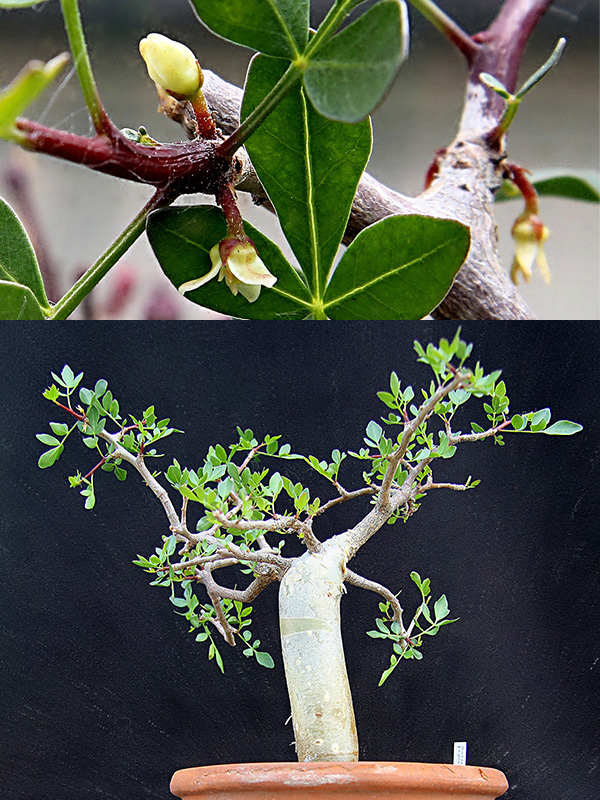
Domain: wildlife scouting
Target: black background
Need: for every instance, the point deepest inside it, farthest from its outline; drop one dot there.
(103, 693)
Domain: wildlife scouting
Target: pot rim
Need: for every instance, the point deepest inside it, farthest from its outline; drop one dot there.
(403, 775)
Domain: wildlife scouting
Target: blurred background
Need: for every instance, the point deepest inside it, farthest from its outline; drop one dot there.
(73, 215)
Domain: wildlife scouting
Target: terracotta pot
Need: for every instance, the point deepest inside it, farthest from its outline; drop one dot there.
(338, 780)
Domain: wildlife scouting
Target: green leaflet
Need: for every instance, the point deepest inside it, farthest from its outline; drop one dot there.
(563, 427)
(349, 76)
(310, 170)
(398, 268)
(23, 90)
(18, 263)
(574, 184)
(182, 238)
(19, 3)
(18, 302)
(275, 27)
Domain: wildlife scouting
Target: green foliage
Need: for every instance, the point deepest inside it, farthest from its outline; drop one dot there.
(276, 27)
(306, 104)
(407, 644)
(345, 75)
(398, 268)
(236, 501)
(22, 294)
(25, 88)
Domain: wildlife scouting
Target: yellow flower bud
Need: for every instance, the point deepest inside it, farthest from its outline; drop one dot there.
(240, 265)
(171, 65)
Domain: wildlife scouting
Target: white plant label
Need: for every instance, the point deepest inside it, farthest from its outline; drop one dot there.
(460, 753)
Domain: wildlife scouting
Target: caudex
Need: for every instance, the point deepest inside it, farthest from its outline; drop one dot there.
(237, 510)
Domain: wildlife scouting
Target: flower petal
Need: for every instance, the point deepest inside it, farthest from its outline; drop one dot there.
(245, 264)
(250, 292)
(189, 286)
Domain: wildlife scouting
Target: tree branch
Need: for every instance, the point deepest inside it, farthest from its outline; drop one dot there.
(426, 409)
(372, 586)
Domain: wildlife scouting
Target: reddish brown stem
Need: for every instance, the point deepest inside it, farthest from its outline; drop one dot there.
(502, 46)
(94, 469)
(80, 417)
(518, 176)
(227, 200)
(182, 168)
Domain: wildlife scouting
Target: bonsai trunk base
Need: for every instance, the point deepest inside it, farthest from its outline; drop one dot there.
(339, 780)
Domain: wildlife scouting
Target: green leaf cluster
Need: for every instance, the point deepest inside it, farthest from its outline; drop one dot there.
(310, 158)
(407, 644)
(95, 409)
(238, 503)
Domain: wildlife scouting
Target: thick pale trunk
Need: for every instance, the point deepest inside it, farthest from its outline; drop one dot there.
(313, 655)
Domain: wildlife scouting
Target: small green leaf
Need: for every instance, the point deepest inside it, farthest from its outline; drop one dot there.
(518, 422)
(563, 427)
(265, 660)
(540, 420)
(46, 438)
(386, 674)
(48, 458)
(493, 83)
(349, 76)
(182, 238)
(440, 609)
(24, 89)
(398, 268)
(18, 263)
(276, 27)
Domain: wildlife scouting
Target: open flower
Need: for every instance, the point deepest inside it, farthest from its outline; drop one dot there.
(530, 234)
(171, 65)
(238, 262)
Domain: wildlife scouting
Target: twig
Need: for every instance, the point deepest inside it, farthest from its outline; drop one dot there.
(372, 586)
(345, 495)
(426, 409)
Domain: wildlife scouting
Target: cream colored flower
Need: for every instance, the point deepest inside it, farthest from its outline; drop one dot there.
(240, 265)
(171, 65)
(530, 234)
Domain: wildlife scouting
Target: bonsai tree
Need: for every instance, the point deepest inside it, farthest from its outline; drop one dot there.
(301, 149)
(239, 508)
